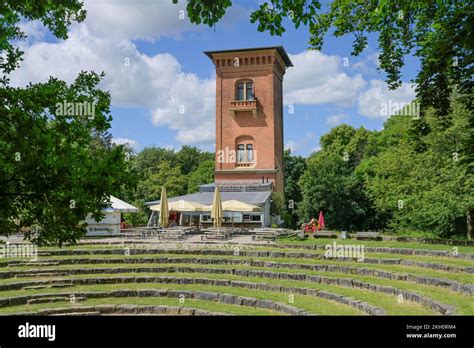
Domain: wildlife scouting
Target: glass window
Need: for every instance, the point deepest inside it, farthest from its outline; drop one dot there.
(251, 217)
(240, 153)
(249, 152)
(249, 91)
(256, 217)
(245, 91)
(240, 91)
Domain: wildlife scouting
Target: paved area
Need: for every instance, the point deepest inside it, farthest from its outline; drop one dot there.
(191, 240)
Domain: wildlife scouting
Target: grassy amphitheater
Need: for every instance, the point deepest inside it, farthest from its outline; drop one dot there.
(286, 277)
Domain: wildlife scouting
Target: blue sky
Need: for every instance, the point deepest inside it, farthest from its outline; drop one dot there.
(154, 63)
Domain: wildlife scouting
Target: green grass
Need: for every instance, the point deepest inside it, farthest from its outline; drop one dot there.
(308, 303)
(388, 302)
(466, 278)
(198, 304)
(464, 304)
(375, 244)
(440, 259)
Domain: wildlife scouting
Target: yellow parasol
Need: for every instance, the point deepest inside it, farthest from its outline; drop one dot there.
(216, 213)
(164, 212)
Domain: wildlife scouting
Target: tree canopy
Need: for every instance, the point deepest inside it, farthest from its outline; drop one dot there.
(438, 32)
(57, 162)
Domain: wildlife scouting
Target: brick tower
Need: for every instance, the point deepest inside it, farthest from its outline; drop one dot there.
(249, 115)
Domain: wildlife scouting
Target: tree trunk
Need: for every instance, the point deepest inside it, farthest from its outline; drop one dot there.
(469, 224)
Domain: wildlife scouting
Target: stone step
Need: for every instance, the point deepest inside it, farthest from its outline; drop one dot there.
(47, 300)
(48, 274)
(36, 264)
(61, 285)
(36, 287)
(54, 299)
(78, 313)
(215, 238)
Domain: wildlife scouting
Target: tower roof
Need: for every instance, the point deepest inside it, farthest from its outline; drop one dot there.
(281, 51)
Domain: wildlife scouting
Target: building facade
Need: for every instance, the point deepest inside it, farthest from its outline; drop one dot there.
(249, 136)
(249, 115)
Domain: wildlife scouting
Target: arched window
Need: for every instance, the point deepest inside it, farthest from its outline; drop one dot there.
(249, 152)
(240, 153)
(245, 90)
(240, 91)
(249, 91)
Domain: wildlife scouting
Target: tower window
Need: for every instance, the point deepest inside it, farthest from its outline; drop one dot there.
(245, 153)
(249, 152)
(249, 91)
(245, 91)
(240, 153)
(240, 91)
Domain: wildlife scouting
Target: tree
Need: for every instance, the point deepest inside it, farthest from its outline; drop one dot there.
(147, 161)
(54, 15)
(204, 174)
(295, 166)
(439, 33)
(155, 167)
(430, 191)
(331, 184)
(149, 189)
(277, 206)
(57, 163)
(189, 158)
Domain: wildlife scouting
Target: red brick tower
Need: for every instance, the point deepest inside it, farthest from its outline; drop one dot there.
(249, 115)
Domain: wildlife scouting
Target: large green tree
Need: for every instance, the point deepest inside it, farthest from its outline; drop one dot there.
(190, 158)
(204, 174)
(295, 166)
(154, 167)
(57, 163)
(430, 191)
(331, 184)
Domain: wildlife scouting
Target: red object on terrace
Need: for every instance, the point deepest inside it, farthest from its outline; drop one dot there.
(321, 221)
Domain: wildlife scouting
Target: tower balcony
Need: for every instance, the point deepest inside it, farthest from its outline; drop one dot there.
(243, 105)
(250, 164)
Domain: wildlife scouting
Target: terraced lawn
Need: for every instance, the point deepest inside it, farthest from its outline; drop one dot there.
(288, 278)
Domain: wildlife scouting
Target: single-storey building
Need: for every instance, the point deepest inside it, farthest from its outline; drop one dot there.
(110, 224)
(255, 194)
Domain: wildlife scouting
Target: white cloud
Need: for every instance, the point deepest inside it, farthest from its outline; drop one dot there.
(318, 79)
(104, 42)
(122, 141)
(179, 100)
(138, 19)
(146, 19)
(372, 101)
(292, 146)
(367, 65)
(337, 119)
(34, 30)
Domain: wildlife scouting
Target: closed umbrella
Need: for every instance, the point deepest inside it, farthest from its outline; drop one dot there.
(164, 212)
(321, 221)
(216, 213)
